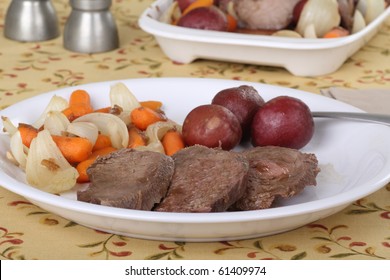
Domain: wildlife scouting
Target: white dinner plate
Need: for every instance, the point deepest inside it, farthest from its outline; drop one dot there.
(353, 157)
(301, 57)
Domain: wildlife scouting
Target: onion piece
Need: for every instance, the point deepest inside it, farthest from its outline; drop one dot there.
(56, 122)
(323, 14)
(371, 9)
(84, 130)
(120, 95)
(8, 126)
(172, 14)
(358, 22)
(287, 33)
(46, 168)
(310, 32)
(56, 103)
(110, 125)
(18, 150)
(155, 132)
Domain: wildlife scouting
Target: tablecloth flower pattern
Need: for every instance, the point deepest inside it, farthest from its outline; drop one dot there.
(361, 231)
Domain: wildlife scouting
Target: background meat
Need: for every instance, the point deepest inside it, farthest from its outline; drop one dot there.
(205, 180)
(276, 171)
(129, 179)
(265, 14)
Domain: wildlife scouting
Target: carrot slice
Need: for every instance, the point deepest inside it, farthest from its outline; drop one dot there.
(84, 165)
(232, 23)
(336, 32)
(102, 141)
(152, 104)
(142, 117)
(28, 133)
(197, 4)
(80, 103)
(136, 138)
(74, 149)
(172, 142)
(103, 110)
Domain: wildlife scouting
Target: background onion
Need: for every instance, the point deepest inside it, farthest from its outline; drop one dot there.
(323, 14)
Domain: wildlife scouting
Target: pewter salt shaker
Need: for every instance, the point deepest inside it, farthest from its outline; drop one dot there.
(90, 27)
(31, 20)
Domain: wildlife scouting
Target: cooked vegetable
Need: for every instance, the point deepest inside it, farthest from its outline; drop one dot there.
(56, 103)
(197, 4)
(86, 130)
(8, 126)
(74, 149)
(18, 150)
(152, 104)
(102, 141)
(46, 167)
(206, 18)
(120, 95)
(265, 14)
(336, 32)
(56, 122)
(136, 138)
(172, 142)
(371, 9)
(155, 132)
(142, 117)
(323, 14)
(358, 22)
(80, 103)
(110, 125)
(243, 101)
(212, 126)
(283, 121)
(28, 133)
(83, 166)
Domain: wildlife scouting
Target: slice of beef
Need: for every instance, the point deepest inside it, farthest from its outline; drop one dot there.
(129, 179)
(205, 180)
(276, 172)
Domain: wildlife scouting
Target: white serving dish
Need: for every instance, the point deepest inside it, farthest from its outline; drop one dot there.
(354, 158)
(301, 57)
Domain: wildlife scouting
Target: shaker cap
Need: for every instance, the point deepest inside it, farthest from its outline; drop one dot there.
(90, 5)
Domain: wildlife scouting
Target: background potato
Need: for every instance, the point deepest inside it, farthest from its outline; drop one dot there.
(206, 18)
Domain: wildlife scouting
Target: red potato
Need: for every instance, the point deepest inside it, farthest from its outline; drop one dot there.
(297, 10)
(211, 126)
(283, 121)
(206, 18)
(183, 4)
(243, 101)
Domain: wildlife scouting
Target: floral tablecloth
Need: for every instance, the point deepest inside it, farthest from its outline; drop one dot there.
(361, 231)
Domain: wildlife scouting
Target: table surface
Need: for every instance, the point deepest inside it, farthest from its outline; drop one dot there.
(361, 231)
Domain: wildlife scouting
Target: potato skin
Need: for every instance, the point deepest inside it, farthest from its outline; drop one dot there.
(212, 126)
(243, 101)
(205, 18)
(283, 121)
(183, 4)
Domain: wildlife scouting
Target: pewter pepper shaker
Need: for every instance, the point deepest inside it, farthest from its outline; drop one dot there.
(90, 27)
(31, 20)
